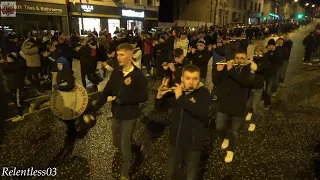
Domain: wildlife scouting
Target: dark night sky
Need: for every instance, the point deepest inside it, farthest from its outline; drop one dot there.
(166, 11)
(317, 2)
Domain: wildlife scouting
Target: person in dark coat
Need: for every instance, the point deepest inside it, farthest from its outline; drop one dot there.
(288, 46)
(3, 103)
(66, 82)
(15, 81)
(161, 51)
(173, 70)
(233, 83)
(275, 63)
(200, 58)
(127, 88)
(256, 89)
(190, 110)
(309, 44)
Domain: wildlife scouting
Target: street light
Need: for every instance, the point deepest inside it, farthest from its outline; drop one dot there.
(313, 5)
(296, 0)
(307, 4)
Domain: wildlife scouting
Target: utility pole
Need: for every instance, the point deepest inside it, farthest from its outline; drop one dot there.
(215, 12)
(211, 10)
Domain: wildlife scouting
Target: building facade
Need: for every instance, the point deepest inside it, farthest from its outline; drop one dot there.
(129, 14)
(38, 15)
(222, 12)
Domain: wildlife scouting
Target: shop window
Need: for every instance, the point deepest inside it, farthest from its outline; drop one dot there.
(150, 2)
(89, 24)
(137, 1)
(234, 17)
(251, 6)
(259, 8)
(240, 4)
(113, 24)
(255, 7)
(245, 5)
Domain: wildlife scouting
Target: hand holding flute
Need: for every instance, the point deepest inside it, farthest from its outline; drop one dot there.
(163, 89)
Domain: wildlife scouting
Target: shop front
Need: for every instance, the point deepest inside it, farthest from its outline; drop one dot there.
(37, 16)
(106, 17)
(255, 18)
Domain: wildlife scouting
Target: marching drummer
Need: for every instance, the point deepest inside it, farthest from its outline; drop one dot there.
(66, 82)
(128, 87)
(190, 110)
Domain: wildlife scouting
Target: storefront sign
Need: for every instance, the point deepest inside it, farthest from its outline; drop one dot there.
(131, 13)
(87, 8)
(8, 9)
(40, 8)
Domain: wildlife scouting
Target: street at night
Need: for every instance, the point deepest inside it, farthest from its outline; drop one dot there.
(282, 147)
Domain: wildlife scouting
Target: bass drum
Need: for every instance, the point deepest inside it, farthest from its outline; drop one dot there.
(69, 105)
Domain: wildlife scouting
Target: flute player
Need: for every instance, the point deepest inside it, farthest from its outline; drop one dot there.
(233, 83)
(190, 110)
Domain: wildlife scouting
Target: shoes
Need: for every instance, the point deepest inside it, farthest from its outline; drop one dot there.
(249, 116)
(252, 127)
(229, 157)
(225, 144)
(18, 118)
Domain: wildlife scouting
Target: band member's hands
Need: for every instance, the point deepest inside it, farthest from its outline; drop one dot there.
(77, 48)
(253, 66)
(164, 84)
(220, 67)
(171, 67)
(214, 46)
(193, 50)
(178, 90)
(209, 47)
(46, 54)
(230, 64)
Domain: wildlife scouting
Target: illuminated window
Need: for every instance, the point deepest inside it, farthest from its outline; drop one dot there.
(137, 1)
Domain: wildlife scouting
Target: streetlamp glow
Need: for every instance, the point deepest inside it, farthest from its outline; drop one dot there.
(307, 4)
(313, 5)
(296, 0)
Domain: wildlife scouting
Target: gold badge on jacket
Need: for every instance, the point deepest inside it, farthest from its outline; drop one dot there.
(192, 99)
(127, 81)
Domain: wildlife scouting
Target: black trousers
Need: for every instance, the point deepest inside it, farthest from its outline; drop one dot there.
(71, 128)
(147, 58)
(33, 76)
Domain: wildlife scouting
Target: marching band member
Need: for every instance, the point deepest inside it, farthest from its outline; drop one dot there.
(128, 87)
(233, 84)
(244, 42)
(190, 110)
(66, 82)
(256, 88)
(174, 69)
(200, 58)
(271, 74)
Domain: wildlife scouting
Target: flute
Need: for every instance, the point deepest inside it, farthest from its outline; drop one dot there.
(222, 63)
(172, 89)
